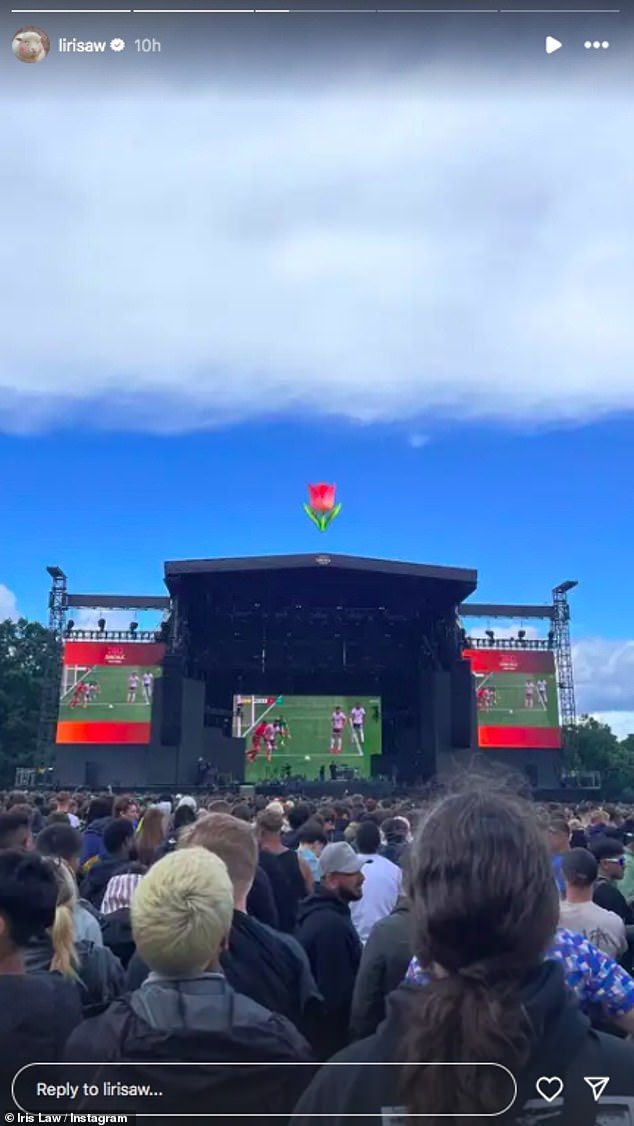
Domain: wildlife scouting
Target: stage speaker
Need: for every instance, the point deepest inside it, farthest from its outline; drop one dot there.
(91, 775)
(463, 709)
(172, 701)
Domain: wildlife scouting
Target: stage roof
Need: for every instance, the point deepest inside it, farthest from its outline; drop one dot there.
(462, 582)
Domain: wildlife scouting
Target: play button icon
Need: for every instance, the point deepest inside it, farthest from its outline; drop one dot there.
(552, 45)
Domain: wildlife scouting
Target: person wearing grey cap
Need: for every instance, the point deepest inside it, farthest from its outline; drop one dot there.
(326, 931)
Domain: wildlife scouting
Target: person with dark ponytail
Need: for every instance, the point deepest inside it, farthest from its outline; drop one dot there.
(484, 911)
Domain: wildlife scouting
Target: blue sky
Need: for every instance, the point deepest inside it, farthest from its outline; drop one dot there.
(389, 277)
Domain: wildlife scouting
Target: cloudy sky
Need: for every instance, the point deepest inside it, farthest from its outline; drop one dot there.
(415, 280)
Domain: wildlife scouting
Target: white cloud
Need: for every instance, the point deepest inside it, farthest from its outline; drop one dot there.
(621, 723)
(8, 603)
(604, 676)
(372, 254)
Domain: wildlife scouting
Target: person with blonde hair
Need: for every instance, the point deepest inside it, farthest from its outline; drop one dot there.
(94, 969)
(186, 1012)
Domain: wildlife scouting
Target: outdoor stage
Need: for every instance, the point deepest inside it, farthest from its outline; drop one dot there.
(282, 642)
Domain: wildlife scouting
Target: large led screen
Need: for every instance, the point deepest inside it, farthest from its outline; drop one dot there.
(517, 698)
(107, 690)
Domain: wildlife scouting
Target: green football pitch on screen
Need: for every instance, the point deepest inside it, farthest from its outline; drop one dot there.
(303, 734)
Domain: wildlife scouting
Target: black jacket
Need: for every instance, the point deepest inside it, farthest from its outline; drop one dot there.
(287, 883)
(38, 1012)
(94, 884)
(607, 895)
(386, 956)
(564, 1045)
(268, 967)
(101, 976)
(199, 1021)
(116, 931)
(326, 932)
(260, 902)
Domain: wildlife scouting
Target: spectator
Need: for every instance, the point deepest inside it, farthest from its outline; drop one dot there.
(99, 815)
(609, 855)
(312, 842)
(342, 820)
(383, 881)
(63, 804)
(626, 886)
(484, 911)
(384, 963)
(183, 817)
(164, 803)
(260, 963)
(116, 925)
(326, 931)
(578, 913)
(327, 816)
(118, 841)
(96, 973)
(297, 816)
(37, 1012)
(150, 836)
(396, 831)
(558, 838)
(186, 1012)
(127, 807)
(64, 843)
(15, 828)
(290, 877)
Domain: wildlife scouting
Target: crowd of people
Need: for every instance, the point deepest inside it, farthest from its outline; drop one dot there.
(314, 959)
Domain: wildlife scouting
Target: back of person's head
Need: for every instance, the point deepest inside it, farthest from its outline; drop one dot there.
(312, 832)
(15, 828)
(62, 841)
(184, 815)
(28, 897)
(182, 912)
(242, 811)
(298, 814)
(218, 805)
(151, 834)
(270, 822)
(16, 797)
(117, 835)
(580, 868)
(484, 909)
(125, 806)
(62, 801)
(99, 808)
(368, 839)
(65, 960)
(230, 839)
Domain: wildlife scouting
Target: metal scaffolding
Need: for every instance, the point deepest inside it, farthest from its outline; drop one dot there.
(57, 613)
(563, 657)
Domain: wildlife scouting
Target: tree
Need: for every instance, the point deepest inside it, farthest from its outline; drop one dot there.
(26, 650)
(592, 745)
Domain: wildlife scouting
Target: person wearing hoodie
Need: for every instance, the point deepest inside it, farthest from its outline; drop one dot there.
(116, 922)
(98, 817)
(327, 933)
(484, 913)
(37, 1011)
(187, 1013)
(95, 972)
(119, 840)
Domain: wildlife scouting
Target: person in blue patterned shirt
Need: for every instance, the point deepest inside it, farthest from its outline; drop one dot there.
(603, 988)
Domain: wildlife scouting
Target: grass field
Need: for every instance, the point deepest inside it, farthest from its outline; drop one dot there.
(111, 703)
(510, 707)
(309, 735)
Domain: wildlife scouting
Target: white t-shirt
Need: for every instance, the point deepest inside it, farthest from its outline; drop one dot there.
(381, 888)
(338, 721)
(604, 929)
(133, 681)
(357, 715)
(147, 679)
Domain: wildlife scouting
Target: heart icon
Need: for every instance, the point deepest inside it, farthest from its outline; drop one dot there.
(549, 1087)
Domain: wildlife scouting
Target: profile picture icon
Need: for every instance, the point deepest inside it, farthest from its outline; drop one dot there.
(30, 45)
